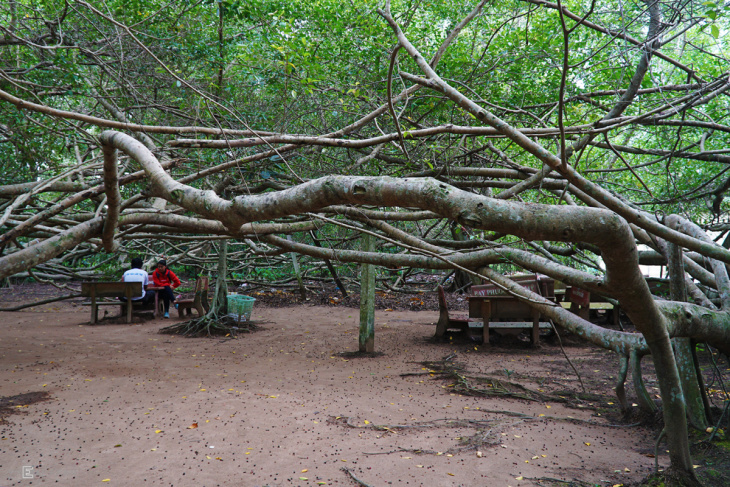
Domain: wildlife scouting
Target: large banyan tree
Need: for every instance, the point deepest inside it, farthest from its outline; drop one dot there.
(559, 138)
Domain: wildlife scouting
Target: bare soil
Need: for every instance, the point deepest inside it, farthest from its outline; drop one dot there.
(293, 403)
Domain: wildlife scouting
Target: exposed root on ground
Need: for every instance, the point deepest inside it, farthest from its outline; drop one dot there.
(488, 386)
(210, 325)
(352, 476)
(487, 434)
(551, 482)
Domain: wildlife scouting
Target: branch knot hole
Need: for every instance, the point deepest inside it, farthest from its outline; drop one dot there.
(359, 189)
(469, 219)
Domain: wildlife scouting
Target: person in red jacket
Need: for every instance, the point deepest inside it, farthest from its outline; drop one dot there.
(165, 278)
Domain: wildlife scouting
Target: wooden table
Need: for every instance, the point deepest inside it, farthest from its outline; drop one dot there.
(108, 293)
(588, 306)
(505, 311)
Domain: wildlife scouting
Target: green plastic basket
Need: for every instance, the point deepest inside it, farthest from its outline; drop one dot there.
(239, 307)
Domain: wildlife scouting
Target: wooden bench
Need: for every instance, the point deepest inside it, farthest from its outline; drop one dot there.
(447, 322)
(199, 301)
(108, 294)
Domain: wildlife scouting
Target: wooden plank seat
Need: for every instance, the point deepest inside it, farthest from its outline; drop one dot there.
(508, 327)
(108, 294)
(199, 301)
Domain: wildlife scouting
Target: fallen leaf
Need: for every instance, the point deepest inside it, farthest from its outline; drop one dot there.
(303, 478)
(519, 478)
(158, 431)
(117, 446)
(193, 426)
(305, 470)
(586, 443)
(107, 480)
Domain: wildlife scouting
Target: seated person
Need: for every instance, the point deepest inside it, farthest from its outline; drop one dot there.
(165, 278)
(136, 274)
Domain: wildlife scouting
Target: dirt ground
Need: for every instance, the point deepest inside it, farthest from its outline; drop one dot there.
(290, 404)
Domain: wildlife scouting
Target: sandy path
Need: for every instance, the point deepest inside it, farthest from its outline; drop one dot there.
(272, 407)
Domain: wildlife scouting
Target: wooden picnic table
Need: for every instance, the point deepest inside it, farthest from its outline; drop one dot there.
(499, 309)
(588, 306)
(108, 293)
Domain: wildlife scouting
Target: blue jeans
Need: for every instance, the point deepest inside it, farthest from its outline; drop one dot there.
(167, 296)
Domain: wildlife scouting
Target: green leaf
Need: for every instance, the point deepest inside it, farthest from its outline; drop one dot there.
(715, 30)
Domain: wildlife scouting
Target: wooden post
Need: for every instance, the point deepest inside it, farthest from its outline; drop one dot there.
(486, 308)
(128, 295)
(367, 299)
(94, 307)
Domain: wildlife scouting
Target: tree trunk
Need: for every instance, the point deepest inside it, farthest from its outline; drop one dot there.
(693, 395)
(220, 299)
(367, 299)
(462, 280)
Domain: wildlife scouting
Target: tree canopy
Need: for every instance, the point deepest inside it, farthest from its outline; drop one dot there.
(553, 137)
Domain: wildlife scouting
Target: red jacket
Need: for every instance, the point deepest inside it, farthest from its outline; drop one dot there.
(167, 278)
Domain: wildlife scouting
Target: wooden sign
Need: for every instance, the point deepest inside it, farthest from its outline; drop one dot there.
(579, 296)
